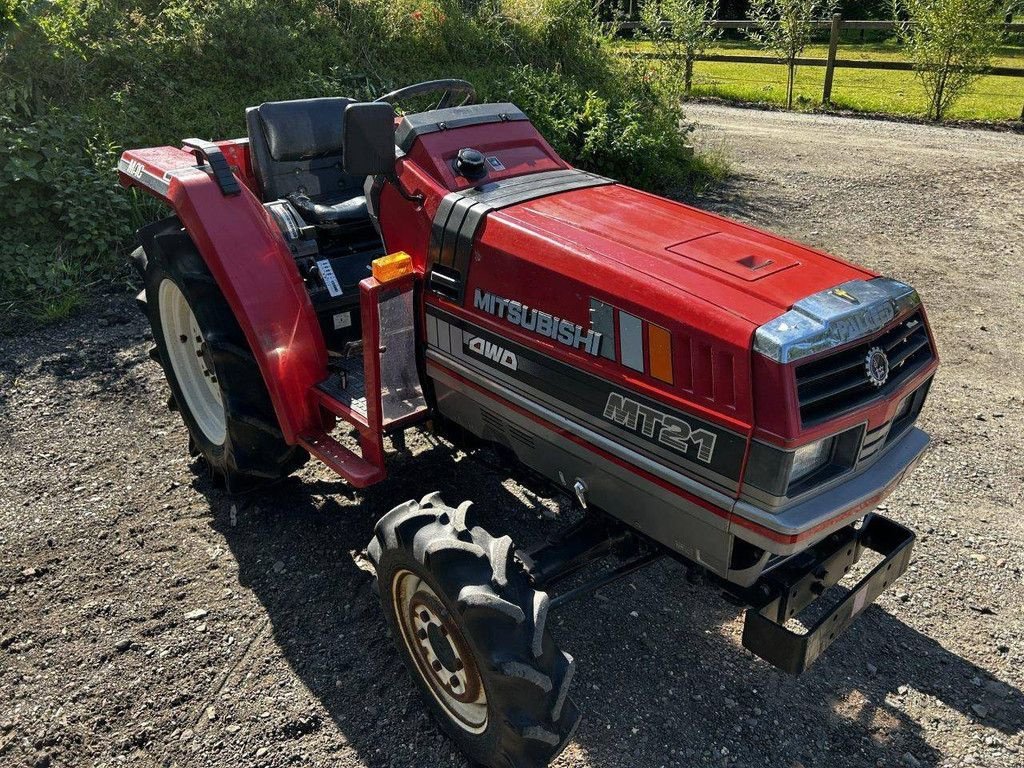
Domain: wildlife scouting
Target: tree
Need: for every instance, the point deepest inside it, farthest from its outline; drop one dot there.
(950, 42)
(683, 27)
(785, 27)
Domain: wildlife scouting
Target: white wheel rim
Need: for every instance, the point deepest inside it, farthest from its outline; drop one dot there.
(441, 653)
(190, 359)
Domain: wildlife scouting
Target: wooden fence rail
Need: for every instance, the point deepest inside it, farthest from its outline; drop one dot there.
(836, 25)
(878, 26)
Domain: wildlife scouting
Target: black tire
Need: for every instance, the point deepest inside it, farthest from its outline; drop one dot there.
(253, 452)
(492, 612)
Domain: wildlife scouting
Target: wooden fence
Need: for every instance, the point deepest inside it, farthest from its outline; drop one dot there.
(836, 25)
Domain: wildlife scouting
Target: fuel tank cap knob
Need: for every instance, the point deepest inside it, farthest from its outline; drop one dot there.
(470, 162)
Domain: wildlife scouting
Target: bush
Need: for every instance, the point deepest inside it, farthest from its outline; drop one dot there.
(81, 79)
(951, 43)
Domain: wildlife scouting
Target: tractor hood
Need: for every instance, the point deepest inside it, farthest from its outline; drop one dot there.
(748, 273)
(505, 188)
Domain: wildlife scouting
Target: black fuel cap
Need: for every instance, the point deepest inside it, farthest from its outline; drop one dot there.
(470, 162)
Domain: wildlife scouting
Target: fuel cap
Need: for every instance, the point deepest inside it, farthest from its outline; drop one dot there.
(470, 162)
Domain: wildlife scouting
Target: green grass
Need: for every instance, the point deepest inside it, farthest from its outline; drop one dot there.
(899, 93)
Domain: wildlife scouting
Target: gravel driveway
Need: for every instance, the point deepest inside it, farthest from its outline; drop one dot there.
(147, 619)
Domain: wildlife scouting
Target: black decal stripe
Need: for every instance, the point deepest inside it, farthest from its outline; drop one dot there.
(582, 396)
(440, 227)
(463, 245)
(460, 214)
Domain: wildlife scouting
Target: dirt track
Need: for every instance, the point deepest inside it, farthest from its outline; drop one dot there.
(147, 619)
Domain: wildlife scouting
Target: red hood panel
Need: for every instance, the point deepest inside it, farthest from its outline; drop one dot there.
(744, 271)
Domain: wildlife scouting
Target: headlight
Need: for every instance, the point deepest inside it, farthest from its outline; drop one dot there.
(810, 457)
(774, 474)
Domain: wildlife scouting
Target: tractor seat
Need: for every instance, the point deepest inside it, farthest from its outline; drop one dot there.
(296, 150)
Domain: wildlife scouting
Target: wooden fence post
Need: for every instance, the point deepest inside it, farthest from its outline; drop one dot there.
(830, 66)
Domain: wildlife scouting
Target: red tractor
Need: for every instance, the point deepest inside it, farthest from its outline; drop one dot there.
(706, 391)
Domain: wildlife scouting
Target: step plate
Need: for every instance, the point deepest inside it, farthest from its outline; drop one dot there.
(353, 468)
(353, 394)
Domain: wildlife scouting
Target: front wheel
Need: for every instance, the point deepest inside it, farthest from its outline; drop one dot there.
(472, 631)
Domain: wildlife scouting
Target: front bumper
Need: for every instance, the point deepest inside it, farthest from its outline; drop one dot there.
(801, 580)
(794, 528)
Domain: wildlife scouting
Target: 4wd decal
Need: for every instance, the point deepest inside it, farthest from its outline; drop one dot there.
(491, 351)
(669, 430)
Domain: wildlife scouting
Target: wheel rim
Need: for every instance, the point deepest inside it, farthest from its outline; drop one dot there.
(190, 359)
(442, 656)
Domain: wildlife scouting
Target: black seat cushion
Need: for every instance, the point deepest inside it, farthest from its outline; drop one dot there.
(296, 150)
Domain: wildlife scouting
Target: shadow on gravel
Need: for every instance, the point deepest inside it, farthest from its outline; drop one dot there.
(731, 197)
(95, 355)
(661, 680)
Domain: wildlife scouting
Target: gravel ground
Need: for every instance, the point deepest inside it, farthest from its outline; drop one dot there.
(147, 619)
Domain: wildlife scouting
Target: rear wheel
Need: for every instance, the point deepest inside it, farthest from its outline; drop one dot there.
(215, 381)
(472, 631)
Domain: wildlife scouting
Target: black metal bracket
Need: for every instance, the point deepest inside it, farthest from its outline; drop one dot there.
(573, 547)
(592, 538)
(208, 152)
(606, 578)
(799, 582)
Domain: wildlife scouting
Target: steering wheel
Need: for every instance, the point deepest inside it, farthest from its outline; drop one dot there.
(447, 88)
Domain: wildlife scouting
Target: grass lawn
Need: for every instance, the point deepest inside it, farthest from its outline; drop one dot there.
(865, 90)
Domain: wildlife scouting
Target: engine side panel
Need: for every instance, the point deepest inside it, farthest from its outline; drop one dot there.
(689, 525)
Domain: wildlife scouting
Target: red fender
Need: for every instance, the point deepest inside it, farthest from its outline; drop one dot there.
(244, 250)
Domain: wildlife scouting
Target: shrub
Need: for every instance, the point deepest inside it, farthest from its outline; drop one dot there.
(81, 79)
(683, 28)
(785, 27)
(950, 42)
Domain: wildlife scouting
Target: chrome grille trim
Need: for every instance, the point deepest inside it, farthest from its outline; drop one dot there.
(835, 317)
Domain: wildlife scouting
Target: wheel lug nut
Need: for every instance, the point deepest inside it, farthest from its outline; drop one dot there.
(424, 617)
(436, 665)
(421, 634)
(454, 681)
(183, 338)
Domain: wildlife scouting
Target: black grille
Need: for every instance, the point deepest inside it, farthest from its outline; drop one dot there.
(839, 382)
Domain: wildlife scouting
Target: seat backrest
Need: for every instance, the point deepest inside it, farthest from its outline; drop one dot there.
(296, 146)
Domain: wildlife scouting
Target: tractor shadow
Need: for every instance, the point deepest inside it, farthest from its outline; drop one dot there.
(661, 678)
(101, 355)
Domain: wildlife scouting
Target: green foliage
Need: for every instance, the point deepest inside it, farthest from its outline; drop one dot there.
(82, 79)
(633, 135)
(682, 27)
(784, 27)
(950, 42)
(60, 218)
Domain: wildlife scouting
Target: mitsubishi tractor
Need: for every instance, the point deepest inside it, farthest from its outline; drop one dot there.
(703, 390)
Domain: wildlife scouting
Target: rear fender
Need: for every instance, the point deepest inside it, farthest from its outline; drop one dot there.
(256, 273)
